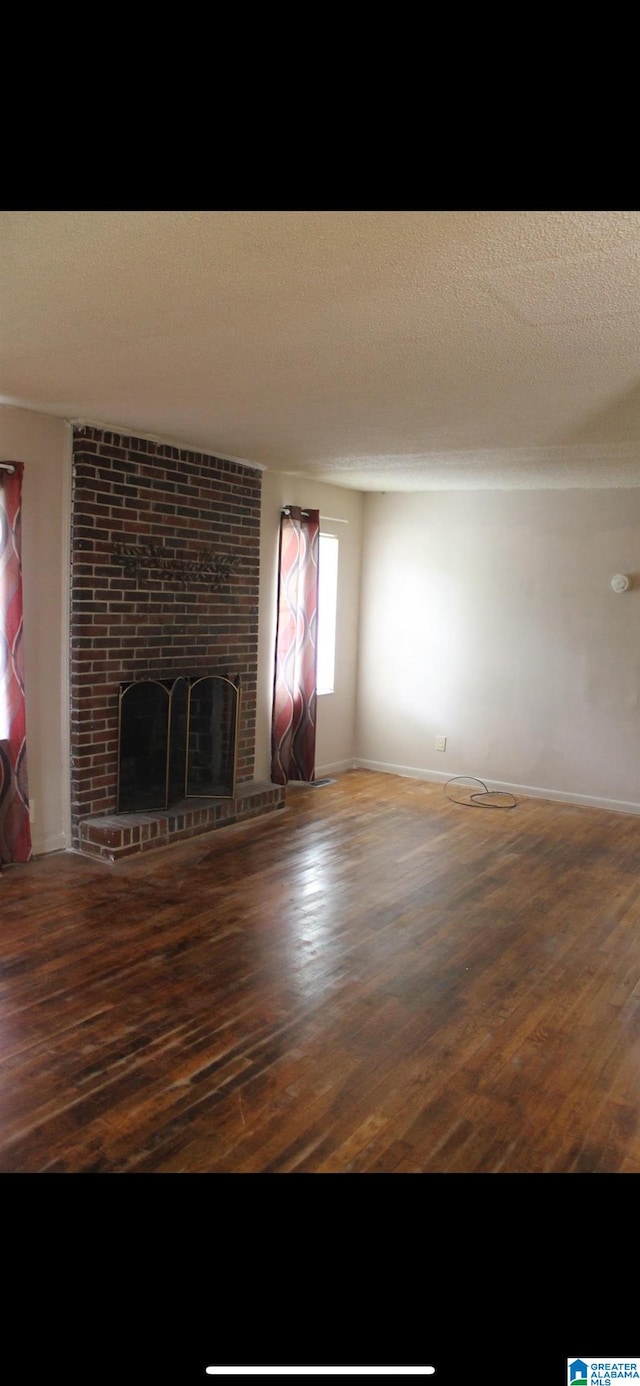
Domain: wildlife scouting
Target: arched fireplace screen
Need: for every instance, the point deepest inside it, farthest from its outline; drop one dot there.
(177, 739)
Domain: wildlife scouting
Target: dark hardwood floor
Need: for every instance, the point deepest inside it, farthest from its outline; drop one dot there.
(373, 980)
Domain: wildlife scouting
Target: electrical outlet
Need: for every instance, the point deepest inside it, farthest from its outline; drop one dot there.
(32, 810)
(441, 743)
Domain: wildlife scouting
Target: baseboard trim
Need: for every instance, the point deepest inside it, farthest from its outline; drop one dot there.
(57, 842)
(335, 767)
(528, 791)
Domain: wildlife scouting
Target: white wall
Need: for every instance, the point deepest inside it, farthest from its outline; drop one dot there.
(43, 443)
(335, 742)
(485, 616)
(489, 617)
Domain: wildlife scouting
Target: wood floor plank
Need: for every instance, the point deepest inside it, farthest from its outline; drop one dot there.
(375, 980)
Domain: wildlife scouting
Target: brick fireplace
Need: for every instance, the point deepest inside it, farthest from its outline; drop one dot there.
(164, 583)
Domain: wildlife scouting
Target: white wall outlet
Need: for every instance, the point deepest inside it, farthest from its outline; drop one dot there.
(32, 810)
(441, 743)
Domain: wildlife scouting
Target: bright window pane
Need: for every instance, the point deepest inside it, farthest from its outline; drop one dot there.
(327, 600)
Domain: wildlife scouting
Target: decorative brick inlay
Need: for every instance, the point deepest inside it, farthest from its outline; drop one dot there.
(137, 492)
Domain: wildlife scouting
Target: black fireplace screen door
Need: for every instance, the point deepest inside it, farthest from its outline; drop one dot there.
(177, 739)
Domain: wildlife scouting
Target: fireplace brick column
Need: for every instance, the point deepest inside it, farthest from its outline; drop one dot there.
(133, 491)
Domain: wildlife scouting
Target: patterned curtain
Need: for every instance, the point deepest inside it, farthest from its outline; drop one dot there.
(15, 829)
(293, 734)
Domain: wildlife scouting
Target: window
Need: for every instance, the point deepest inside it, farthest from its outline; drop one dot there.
(327, 602)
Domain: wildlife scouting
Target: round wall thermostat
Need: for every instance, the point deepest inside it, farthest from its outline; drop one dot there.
(620, 582)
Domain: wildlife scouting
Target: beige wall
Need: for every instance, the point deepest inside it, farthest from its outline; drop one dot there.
(44, 445)
(335, 744)
(489, 617)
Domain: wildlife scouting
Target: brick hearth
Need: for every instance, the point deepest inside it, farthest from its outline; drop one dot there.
(114, 836)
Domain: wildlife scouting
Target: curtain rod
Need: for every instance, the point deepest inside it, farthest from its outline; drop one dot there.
(7, 467)
(333, 519)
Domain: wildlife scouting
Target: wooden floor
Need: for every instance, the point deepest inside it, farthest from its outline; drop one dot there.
(372, 980)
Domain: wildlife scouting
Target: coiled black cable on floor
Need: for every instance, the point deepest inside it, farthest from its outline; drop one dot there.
(480, 797)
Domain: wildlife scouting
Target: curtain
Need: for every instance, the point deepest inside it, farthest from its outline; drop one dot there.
(15, 829)
(293, 734)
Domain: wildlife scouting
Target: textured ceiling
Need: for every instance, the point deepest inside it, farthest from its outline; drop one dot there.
(385, 351)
